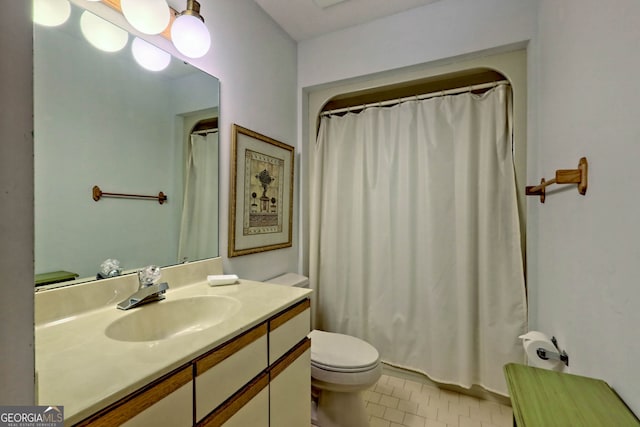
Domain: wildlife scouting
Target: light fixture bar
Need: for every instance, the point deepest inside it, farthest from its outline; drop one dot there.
(193, 9)
(115, 4)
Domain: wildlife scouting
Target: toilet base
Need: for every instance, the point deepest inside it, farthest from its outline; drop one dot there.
(341, 409)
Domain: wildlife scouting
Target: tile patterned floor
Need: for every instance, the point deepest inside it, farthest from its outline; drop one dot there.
(399, 402)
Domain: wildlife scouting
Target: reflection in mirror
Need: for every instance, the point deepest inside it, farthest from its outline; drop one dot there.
(101, 119)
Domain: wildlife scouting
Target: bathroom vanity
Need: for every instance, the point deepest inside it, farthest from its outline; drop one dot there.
(233, 355)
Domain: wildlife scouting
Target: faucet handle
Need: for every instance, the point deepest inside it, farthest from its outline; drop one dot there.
(149, 275)
(110, 268)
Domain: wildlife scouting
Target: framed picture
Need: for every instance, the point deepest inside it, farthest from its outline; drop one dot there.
(261, 193)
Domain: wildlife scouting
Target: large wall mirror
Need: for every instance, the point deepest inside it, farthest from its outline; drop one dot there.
(100, 119)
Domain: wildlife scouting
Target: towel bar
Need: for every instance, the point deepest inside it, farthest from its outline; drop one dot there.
(98, 194)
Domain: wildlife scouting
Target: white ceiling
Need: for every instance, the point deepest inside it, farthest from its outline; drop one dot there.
(304, 19)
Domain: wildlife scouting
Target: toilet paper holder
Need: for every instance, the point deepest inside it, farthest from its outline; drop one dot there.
(546, 354)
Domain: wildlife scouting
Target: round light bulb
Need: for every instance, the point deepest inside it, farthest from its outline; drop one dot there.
(147, 16)
(51, 13)
(149, 56)
(190, 36)
(102, 34)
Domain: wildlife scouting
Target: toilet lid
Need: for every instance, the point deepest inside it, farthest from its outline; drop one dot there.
(341, 353)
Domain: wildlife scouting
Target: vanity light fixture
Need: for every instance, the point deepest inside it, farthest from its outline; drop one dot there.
(102, 34)
(147, 16)
(51, 13)
(189, 34)
(148, 56)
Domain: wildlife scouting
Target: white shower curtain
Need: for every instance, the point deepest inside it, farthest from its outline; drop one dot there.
(199, 224)
(415, 241)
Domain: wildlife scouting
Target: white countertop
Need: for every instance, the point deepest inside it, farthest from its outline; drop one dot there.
(82, 369)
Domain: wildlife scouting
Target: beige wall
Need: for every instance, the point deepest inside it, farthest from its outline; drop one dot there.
(584, 251)
(16, 206)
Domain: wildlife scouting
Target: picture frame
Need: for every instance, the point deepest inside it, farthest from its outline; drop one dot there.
(261, 193)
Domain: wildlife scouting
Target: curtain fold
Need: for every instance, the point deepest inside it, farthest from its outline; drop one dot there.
(198, 227)
(415, 235)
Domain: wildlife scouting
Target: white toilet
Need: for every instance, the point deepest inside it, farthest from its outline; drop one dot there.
(342, 367)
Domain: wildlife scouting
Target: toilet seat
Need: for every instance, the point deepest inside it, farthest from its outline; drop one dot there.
(342, 353)
(344, 370)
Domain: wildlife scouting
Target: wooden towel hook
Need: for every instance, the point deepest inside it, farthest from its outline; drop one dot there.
(563, 176)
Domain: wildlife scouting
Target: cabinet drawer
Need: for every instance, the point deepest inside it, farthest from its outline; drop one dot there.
(288, 328)
(225, 370)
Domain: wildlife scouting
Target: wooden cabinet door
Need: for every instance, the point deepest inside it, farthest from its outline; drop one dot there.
(225, 370)
(167, 401)
(290, 388)
(254, 413)
(248, 407)
(175, 410)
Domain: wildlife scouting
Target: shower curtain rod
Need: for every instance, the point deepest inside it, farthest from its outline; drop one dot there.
(416, 97)
(204, 132)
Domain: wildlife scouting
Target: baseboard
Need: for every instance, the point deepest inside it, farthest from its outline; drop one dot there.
(474, 391)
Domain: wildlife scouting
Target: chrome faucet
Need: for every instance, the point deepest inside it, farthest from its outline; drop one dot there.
(148, 288)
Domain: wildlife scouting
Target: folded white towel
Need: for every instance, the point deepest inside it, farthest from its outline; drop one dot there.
(222, 279)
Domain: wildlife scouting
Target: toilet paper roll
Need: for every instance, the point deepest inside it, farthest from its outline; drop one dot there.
(534, 340)
(533, 335)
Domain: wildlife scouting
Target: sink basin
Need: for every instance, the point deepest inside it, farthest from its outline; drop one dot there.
(172, 318)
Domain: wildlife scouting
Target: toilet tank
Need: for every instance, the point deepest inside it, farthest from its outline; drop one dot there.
(290, 279)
